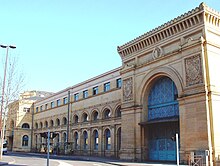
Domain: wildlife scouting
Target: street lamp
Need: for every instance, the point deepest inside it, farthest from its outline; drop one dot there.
(3, 93)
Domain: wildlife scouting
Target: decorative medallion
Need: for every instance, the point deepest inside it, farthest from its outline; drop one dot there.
(193, 70)
(128, 89)
(157, 53)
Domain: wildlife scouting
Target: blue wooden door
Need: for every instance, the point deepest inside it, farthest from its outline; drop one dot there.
(162, 105)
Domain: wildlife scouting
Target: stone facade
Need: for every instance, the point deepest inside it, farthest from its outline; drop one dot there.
(99, 117)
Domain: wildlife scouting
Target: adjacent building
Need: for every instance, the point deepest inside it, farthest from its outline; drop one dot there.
(167, 84)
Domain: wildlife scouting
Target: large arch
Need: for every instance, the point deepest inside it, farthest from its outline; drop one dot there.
(162, 123)
(149, 80)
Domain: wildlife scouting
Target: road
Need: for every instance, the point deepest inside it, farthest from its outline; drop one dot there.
(16, 159)
(35, 159)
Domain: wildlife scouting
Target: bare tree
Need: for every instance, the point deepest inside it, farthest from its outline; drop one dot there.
(14, 83)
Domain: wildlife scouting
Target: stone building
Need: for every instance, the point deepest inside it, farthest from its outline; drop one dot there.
(167, 84)
(19, 120)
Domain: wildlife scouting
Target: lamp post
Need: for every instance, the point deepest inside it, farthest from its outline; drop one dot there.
(3, 93)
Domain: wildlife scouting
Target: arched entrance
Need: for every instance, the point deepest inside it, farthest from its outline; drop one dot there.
(162, 120)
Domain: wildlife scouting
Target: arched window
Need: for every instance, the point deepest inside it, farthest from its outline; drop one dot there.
(25, 126)
(25, 140)
(41, 125)
(46, 124)
(95, 116)
(119, 139)
(76, 140)
(58, 138)
(36, 125)
(64, 137)
(107, 114)
(85, 140)
(76, 119)
(64, 121)
(118, 112)
(162, 100)
(107, 139)
(96, 139)
(85, 117)
(58, 122)
(51, 123)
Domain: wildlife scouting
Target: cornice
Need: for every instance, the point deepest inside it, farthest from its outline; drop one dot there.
(177, 25)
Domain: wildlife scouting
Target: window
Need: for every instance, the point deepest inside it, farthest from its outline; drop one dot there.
(41, 108)
(96, 140)
(26, 109)
(25, 126)
(52, 104)
(85, 140)
(46, 106)
(76, 97)
(58, 102)
(95, 90)
(64, 137)
(85, 117)
(58, 122)
(76, 137)
(85, 94)
(25, 140)
(118, 83)
(64, 121)
(106, 86)
(118, 112)
(107, 114)
(95, 116)
(41, 125)
(46, 124)
(76, 119)
(51, 123)
(36, 125)
(36, 109)
(65, 100)
(107, 139)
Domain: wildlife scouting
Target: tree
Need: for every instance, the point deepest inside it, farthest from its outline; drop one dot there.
(14, 83)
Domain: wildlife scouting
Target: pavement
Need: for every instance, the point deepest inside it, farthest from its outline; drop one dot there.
(9, 160)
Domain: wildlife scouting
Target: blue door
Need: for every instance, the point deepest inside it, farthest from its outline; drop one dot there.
(163, 109)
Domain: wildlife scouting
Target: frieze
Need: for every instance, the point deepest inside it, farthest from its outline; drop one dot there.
(193, 67)
(128, 89)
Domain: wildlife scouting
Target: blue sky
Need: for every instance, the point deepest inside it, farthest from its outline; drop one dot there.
(63, 42)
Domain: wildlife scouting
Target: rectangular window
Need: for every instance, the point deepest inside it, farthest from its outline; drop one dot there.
(106, 86)
(65, 100)
(118, 83)
(26, 109)
(52, 104)
(58, 102)
(36, 109)
(95, 90)
(46, 107)
(41, 108)
(76, 97)
(85, 94)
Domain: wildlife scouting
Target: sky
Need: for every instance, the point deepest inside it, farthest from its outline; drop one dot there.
(64, 42)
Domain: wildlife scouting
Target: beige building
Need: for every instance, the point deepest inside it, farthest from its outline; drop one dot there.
(19, 121)
(167, 84)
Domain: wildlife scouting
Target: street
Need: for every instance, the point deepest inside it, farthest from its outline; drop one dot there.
(35, 159)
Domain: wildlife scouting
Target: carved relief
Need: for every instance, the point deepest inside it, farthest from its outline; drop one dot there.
(128, 89)
(157, 53)
(193, 70)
